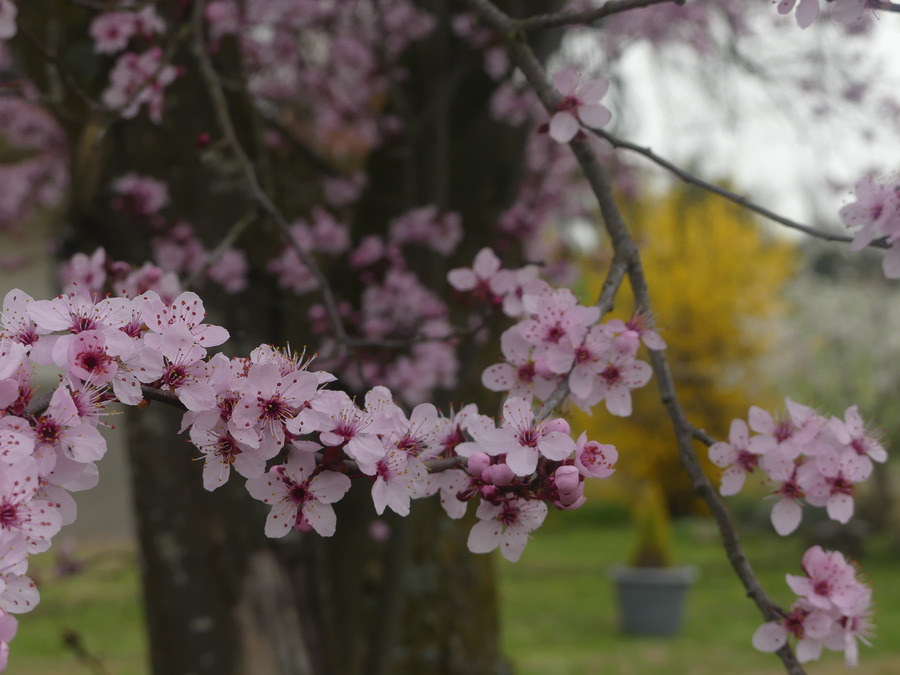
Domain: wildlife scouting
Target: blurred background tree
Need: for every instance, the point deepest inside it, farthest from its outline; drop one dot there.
(718, 280)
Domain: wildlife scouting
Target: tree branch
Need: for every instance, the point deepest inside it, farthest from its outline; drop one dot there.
(226, 125)
(626, 248)
(741, 200)
(584, 17)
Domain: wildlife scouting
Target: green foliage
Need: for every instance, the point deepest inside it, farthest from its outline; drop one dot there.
(653, 528)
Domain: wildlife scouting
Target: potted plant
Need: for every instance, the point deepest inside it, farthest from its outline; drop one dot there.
(650, 590)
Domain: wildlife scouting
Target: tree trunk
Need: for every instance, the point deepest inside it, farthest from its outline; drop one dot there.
(220, 597)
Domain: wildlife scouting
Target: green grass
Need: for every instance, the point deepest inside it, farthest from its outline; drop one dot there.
(559, 616)
(99, 606)
(557, 607)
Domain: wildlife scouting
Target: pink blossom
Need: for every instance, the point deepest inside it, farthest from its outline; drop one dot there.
(583, 362)
(807, 11)
(140, 195)
(82, 271)
(344, 190)
(829, 581)
(427, 226)
(854, 624)
(519, 374)
(833, 610)
(523, 439)
(399, 477)
(224, 18)
(788, 437)
(8, 628)
(786, 513)
(829, 481)
(619, 374)
(221, 451)
(80, 312)
(269, 402)
(358, 429)
(148, 23)
(480, 278)
(736, 457)
(638, 328)
(581, 103)
(851, 11)
(16, 439)
(230, 270)
(299, 496)
(16, 321)
(851, 432)
(21, 511)
(506, 525)
(593, 459)
(61, 429)
(554, 318)
(18, 594)
(450, 483)
(137, 80)
(111, 31)
(187, 312)
(876, 211)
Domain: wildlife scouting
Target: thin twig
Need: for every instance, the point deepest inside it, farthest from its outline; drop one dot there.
(228, 240)
(625, 247)
(435, 465)
(584, 17)
(226, 125)
(741, 200)
(61, 70)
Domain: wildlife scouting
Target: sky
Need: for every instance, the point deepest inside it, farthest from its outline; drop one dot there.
(796, 151)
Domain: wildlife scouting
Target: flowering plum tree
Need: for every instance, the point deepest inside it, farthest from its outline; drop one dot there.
(382, 180)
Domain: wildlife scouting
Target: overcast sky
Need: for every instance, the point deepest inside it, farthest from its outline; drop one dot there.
(783, 147)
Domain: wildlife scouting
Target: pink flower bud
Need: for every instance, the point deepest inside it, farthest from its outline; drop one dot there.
(576, 504)
(559, 424)
(478, 462)
(488, 492)
(379, 530)
(567, 479)
(498, 474)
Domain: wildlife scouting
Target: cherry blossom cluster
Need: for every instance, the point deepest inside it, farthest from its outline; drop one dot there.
(340, 96)
(876, 215)
(105, 349)
(558, 340)
(40, 178)
(515, 469)
(240, 413)
(137, 79)
(420, 362)
(833, 610)
(806, 458)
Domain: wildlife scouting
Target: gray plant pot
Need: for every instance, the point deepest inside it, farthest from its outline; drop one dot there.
(651, 599)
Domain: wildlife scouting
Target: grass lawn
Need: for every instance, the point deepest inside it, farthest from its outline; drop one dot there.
(99, 610)
(559, 615)
(557, 608)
